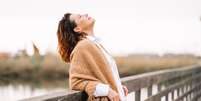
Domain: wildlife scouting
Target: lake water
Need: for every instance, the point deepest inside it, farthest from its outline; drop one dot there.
(21, 90)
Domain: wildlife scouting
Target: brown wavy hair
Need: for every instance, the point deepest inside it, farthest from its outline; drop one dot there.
(67, 37)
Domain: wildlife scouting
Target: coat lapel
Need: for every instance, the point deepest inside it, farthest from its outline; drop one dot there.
(106, 69)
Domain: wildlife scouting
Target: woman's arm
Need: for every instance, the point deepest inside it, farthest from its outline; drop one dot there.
(83, 85)
(84, 72)
(80, 72)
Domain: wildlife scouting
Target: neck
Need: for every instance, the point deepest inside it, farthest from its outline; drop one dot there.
(89, 32)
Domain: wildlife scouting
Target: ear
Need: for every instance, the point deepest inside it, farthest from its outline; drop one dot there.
(77, 29)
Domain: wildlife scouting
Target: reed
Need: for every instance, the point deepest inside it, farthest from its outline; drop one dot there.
(50, 65)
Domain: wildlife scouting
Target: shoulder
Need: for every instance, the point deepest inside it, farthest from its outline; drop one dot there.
(82, 47)
(84, 43)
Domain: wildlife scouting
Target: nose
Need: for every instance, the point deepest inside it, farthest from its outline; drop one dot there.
(86, 15)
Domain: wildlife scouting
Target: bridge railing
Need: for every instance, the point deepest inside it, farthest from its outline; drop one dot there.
(178, 84)
(182, 84)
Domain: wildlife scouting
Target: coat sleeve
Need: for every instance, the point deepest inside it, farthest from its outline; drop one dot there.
(80, 72)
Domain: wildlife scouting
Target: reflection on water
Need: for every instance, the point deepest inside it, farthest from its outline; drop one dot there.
(20, 90)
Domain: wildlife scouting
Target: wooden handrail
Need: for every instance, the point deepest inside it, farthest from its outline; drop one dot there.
(175, 80)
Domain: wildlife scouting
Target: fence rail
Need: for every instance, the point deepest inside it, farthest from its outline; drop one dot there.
(182, 84)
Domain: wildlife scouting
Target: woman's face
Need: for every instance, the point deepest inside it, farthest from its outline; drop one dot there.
(83, 22)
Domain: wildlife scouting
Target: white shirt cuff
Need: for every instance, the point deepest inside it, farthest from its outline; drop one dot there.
(101, 90)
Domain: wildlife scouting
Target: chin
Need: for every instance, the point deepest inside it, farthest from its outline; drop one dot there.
(92, 22)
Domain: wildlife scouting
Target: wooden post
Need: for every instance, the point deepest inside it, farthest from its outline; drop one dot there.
(138, 95)
(178, 91)
(167, 97)
(149, 90)
(173, 95)
(159, 87)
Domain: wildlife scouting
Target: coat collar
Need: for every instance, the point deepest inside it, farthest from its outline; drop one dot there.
(93, 38)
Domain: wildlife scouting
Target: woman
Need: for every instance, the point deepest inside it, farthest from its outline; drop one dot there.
(92, 69)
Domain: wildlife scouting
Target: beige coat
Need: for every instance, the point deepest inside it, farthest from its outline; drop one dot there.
(88, 67)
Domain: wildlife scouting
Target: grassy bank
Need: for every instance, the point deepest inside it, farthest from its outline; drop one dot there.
(141, 63)
(50, 65)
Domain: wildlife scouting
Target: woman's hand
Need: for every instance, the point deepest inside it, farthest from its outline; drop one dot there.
(113, 95)
(125, 90)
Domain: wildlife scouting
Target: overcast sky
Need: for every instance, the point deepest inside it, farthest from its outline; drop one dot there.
(125, 26)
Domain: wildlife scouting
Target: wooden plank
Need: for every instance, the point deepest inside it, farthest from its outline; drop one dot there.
(60, 96)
